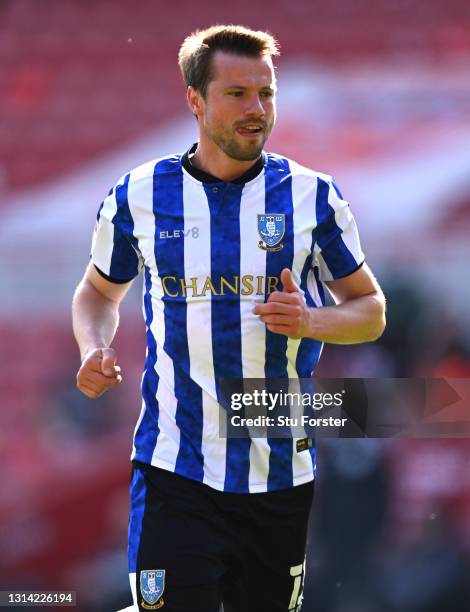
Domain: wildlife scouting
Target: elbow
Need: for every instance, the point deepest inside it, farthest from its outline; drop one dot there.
(378, 329)
(379, 322)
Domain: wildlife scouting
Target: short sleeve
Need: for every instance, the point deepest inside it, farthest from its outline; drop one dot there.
(114, 249)
(337, 248)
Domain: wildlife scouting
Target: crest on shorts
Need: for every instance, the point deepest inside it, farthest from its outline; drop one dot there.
(152, 585)
(271, 229)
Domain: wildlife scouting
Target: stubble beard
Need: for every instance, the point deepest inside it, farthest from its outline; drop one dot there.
(248, 152)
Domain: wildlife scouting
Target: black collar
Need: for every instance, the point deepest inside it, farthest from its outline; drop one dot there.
(205, 177)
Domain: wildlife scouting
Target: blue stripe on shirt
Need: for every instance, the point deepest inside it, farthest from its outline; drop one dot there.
(169, 256)
(309, 349)
(278, 200)
(146, 434)
(224, 205)
(336, 254)
(124, 259)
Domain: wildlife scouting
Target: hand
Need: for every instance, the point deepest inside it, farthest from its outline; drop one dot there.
(286, 312)
(98, 372)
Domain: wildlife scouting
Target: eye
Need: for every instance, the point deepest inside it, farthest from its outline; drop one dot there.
(236, 94)
(266, 94)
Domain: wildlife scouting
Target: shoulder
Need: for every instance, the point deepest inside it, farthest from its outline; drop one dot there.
(295, 169)
(148, 170)
(136, 185)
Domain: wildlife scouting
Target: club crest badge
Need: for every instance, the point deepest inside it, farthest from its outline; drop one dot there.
(271, 228)
(152, 585)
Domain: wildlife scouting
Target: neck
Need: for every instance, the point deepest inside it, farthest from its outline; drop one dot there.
(213, 160)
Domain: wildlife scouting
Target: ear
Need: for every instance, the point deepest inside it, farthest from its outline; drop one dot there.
(195, 101)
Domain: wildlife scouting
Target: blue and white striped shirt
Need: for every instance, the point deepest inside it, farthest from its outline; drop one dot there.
(209, 250)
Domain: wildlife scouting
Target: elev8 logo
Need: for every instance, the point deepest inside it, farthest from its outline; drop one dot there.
(191, 232)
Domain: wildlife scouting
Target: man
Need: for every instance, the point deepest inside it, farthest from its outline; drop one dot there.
(235, 245)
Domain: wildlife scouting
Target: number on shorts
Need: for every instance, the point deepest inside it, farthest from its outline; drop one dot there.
(297, 572)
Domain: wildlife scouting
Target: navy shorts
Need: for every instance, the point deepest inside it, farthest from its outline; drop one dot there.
(193, 548)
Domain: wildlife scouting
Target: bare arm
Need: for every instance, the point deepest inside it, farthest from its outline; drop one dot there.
(95, 315)
(358, 316)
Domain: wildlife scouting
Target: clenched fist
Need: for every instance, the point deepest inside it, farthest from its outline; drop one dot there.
(286, 312)
(98, 372)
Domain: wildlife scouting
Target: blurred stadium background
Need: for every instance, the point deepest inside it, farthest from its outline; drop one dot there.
(374, 92)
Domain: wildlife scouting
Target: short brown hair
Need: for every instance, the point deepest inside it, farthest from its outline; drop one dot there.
(196, 52)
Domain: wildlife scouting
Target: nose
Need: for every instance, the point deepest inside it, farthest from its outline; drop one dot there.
(255, 106)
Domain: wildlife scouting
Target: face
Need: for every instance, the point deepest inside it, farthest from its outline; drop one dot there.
(239, 111)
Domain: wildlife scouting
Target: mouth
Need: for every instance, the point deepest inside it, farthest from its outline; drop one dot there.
(251, 130)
